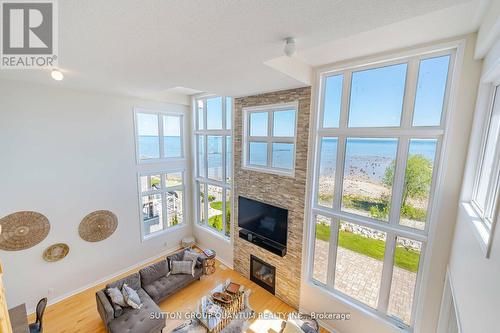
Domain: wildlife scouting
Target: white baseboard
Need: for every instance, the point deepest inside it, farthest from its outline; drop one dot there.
(104, 279)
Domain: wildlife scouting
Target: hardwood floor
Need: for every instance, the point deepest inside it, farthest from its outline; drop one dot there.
(79, 314)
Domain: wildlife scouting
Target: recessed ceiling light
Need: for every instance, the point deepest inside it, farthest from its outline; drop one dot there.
(289, 46)
(57, 75)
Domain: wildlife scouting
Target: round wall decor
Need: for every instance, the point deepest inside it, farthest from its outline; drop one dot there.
(98, 226)
(56, 252)
(22, 230)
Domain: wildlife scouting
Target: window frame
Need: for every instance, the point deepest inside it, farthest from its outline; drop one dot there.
(160, 114)
(403, 133)
(488, 213)
(270, 109)
(226, 185)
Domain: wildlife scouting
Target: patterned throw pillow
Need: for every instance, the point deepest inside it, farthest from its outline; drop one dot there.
(131, 297)
(183, 267)
(190, 256)
(116, 296)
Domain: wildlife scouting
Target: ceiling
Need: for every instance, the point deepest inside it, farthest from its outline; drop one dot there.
(149, 48)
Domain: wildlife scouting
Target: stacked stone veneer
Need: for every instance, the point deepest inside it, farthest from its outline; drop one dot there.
(286, 192)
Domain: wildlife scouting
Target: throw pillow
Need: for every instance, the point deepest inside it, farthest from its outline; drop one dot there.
(183, 267)
(116, 296)
(292, 327)
(131, 297)
(190, 255)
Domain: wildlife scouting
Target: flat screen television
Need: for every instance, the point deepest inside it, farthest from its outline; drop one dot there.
(262, 219)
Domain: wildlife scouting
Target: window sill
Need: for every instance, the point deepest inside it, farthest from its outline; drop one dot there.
(357, 306)
(163, 232)
(213, 232)
(277, 172)
(479, 228)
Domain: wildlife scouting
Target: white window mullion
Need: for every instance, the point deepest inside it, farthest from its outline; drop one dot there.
(399, 180)
(224, 196)
(346, 95)
(161, 134)
(385, 285)
(410, 93)
(339, 173)
(205, 157)
(270, 119)
(332, 252)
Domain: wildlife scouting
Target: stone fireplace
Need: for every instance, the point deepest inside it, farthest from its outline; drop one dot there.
(282, 191)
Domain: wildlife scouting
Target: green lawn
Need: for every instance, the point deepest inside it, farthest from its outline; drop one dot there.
(374, 248)
(216, 221)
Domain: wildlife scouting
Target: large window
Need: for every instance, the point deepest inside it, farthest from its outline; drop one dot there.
(160, 170)
(487, 182)
(161, 201)
(213, 143)
(379, 129)
(269, 138)
(158, 135)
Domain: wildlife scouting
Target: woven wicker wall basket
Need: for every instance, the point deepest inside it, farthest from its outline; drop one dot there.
(56, 252)
(98, 226)
(22, 230)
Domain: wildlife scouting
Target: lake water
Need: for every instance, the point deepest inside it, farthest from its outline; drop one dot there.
(368, 156)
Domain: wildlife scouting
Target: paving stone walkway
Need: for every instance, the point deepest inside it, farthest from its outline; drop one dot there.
(359, 276)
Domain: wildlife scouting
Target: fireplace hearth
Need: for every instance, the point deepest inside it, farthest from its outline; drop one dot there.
(263, 274)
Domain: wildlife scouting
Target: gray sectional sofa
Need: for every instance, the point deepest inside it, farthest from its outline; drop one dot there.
(153, 284)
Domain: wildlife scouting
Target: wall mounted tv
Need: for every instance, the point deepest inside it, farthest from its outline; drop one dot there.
(262, 221)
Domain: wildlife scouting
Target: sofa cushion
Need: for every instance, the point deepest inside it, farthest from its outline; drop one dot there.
(146, 319)
(153, 272)
(166, 286)
(175, 257)
(116, 296)
(133, 281)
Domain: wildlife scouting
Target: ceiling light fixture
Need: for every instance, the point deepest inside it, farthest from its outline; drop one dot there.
(289, 46)
(57, 75)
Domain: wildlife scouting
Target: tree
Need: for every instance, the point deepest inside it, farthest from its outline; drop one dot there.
(418, 177)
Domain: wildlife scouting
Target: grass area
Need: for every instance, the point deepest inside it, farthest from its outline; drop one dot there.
(217, 220)
(374, 248)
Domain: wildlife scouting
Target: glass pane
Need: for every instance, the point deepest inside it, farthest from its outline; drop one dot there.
(377, 96)
(152, 214)
(492, 139)
(174, 179)
(174, 208)
(149, 141)
(214, 113)
(228, 212)
(367, 186)
(417, 186)
(172, 146)
(321, 248)
(360, 259)
(431, 87)
(215, 157)
(404, 278)
(215, 207)
(150, 183)
(201, 122)
(283, 155)
(201, 156)
(332, 100)
(284, 123)
(229, 159)
(258, 123)
(327, 167)
(201, 203)
(258, 153)
(229, 112)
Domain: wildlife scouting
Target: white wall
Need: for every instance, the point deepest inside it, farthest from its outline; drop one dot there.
(65, 154)
(475, 278)
(314, 299)
(208, 239)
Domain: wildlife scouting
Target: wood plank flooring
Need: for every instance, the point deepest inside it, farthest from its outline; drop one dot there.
(78, 313)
